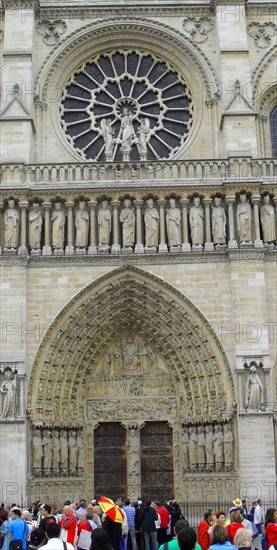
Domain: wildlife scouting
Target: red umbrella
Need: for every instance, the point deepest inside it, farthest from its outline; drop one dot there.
(111, 509)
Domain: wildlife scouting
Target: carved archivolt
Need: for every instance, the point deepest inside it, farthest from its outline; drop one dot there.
(185, 353)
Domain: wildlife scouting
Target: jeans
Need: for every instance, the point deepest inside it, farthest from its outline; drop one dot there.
(259, 530)
(132, 534)
(123, 542)
(153, 537)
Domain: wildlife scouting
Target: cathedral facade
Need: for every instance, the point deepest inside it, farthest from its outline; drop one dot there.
(138, 249)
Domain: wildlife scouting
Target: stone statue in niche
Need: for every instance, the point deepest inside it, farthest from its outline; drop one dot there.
(196, 221)
(72, 456)
(173, 224)
(244, 219)
(133, 451)
(80, 453)
(104, 226)
(218, 447)
(268, 221)
(35, 225)
(58, 225)
(63, 452)
(127, 218)
(185, 446)
(209, 447)
(47, 452)
(37, 452)
(8, 391)
(151, 220)
(109, 139)
(142, 138)
(201, 448)
(56, 449)
(228, 447)
(218, 222)
(193, 441)
(82, 225)
(11, 221)
(254, 390)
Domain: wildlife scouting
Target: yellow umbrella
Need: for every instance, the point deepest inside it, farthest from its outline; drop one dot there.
(111, 509)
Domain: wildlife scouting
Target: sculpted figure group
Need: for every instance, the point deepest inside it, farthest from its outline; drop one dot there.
(208, 448)
(126, 138)
(58, 452)
(151, 222)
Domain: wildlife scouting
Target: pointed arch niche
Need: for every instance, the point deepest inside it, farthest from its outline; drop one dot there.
(128, 349)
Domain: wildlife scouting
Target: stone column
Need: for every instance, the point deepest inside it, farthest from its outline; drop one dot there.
(23, 208)
(162, 245)
(275, 213)
(47, 250)
(209, 246)
(21, 404)
(92, 247)
(115, 246)
(185, 239)
(69, 249)
(258, 243)
(232, 243)
(89, 458)
(1, 242)
(139, 248)
(177, 459)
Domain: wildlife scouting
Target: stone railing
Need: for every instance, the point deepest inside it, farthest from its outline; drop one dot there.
(183, 172)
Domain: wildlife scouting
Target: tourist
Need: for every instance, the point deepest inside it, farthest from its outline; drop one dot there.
(55, 542)
(68, 523)
(220, 517)
(258, 519)
(187, 539)
(243, 539)
(18, 529)
(131, 514)
(4, 528)
(37, 539)
(149, 516)
(271, 526)
(219, 539)
(165, 518)
(46, 517)
(173, 544)
(100, 540)
(205, 529)
(236, 523)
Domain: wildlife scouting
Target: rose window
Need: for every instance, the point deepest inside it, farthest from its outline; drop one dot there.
(126, 106)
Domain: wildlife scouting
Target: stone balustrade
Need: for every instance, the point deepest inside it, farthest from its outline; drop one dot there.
(175, 222)
(211, 172)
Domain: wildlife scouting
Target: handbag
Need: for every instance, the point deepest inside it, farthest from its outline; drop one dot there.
(16, 544)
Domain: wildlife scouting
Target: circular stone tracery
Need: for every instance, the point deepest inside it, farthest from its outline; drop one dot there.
(126, 89)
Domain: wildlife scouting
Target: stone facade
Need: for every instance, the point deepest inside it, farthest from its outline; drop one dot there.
(138, 246)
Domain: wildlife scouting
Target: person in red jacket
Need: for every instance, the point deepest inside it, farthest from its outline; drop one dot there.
(236, 523)
(68, 523)
(205, 529)
(271, 526)
(164, 515)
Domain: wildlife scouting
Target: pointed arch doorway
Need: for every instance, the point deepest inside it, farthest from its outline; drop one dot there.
(129, 349)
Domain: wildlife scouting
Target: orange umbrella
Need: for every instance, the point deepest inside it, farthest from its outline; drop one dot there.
(111, 509)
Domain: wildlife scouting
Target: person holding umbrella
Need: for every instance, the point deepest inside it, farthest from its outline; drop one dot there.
(112, 522)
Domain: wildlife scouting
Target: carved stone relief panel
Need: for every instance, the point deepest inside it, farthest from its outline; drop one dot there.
(57, 452)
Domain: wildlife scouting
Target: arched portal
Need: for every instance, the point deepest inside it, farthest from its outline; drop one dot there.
(129, 349)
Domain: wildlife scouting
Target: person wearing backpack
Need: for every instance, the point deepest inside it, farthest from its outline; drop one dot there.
(271, 527)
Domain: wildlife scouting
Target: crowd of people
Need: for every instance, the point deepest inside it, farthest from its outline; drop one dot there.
(141, 525)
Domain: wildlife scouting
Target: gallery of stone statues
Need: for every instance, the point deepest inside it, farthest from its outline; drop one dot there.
(138, 201)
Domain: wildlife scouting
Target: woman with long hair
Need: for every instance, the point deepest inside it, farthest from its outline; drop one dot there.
(243, 539)
(219, 539)
(236, 523)
(271, 526)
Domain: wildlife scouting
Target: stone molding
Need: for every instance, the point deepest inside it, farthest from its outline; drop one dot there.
(257, 74)
(198, 27)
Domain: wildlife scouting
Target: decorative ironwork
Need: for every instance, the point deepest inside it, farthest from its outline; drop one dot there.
(110, 464)
(126, 105)
(156, 460)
